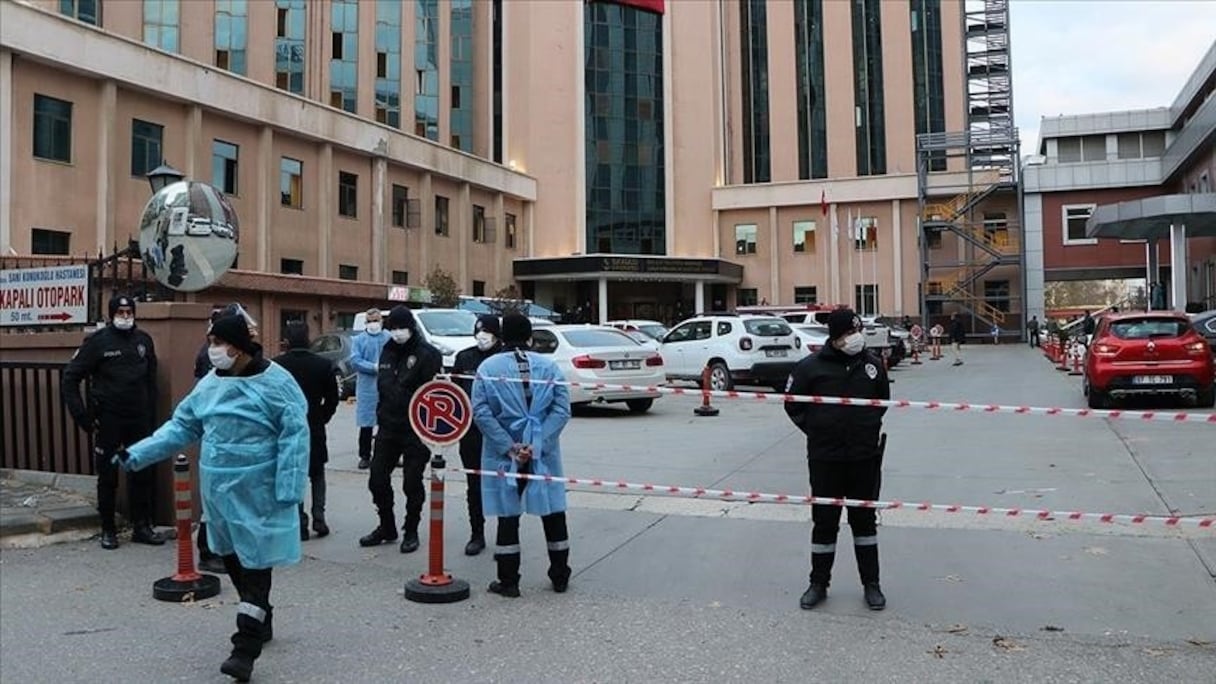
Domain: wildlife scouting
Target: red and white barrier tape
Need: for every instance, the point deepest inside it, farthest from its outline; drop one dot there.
(1156, 416)
(761, 497)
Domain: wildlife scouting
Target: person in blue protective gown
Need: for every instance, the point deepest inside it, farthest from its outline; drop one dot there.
(365, 358)
(521, 412)
(251, 418)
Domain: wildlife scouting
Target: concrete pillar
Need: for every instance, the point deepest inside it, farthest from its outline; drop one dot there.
(426, 235)
(266, 187)
(774, 260)
(106, 114)
(500, 251)
(6, 146)
(834, 262)
(897, 258)
(1178, 268)
(464, 235)
(1152, 274)
(699, 289)
(327, 188)
(602, 304)
(529, 233)
(194, 168)
(379, 251)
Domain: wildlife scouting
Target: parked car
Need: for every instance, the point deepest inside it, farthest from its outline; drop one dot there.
(599, 354)
(645, 340)
(1205, 325)
(813, 337)
(336, 348)
(737, 349)
(448, 330)
(1151, 353)
(652, 329)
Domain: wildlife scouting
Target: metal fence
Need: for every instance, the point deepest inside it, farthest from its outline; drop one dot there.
(36, 430)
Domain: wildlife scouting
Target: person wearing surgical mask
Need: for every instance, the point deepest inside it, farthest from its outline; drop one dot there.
(487, 331)
(364, 358)
(407, 362)
(844, 449)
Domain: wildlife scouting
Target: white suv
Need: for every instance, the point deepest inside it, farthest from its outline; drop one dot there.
(738, 349)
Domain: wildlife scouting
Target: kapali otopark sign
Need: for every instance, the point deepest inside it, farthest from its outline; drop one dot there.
(53, 295)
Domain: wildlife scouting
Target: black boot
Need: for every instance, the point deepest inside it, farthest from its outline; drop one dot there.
(268, 627)
(109, 539)
(409, 541)
(303, 525)
(246, 646)
(144, 534)
(874, 598)
(319, 526)
(477, 544)
(381, 535)
(212, 563)
(559, 570)
(507, 583)
(239, 666)
(813, 596)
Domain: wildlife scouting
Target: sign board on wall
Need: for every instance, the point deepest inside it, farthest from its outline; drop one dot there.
(52, 295)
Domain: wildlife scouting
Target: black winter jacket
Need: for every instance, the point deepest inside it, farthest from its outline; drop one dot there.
(315, 376)
(467, 362)
(403, 369)
(835, 432)
(121, 367)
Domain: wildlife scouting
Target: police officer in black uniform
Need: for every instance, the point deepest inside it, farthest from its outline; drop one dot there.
(488, 333)
(406, 363)
(844, 450)
(120, 362)
(315, 376)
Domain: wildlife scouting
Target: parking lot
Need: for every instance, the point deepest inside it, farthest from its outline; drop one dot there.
(683, 589)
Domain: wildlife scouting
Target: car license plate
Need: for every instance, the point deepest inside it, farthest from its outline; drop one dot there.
(1152, 380)
(775, 352)
(624, 365)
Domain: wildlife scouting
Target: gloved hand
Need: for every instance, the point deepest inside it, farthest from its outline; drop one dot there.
(122, 458)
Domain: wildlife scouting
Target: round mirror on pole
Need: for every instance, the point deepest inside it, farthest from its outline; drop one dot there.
(188, 234)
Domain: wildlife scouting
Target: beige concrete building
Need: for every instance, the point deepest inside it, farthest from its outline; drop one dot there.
(719, 153)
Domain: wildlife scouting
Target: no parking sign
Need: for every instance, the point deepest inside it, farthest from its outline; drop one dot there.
(440, 413)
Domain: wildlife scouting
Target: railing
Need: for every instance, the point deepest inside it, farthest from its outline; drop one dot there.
(955, 207)
(956, 286)
(36, 430)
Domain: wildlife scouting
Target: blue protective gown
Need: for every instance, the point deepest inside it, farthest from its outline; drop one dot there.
(504, 418)
(365, 357)
(253, 463)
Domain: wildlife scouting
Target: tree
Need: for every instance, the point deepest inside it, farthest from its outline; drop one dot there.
(508, 300)
(445, 293)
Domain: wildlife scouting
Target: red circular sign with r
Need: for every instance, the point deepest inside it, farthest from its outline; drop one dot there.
(440, 413)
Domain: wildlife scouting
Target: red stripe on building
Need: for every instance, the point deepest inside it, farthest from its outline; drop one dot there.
(655, 6)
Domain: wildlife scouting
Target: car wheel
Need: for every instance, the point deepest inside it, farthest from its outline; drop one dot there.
(719, 377)
(1206, 398)
(1098, 399)
(639, 405)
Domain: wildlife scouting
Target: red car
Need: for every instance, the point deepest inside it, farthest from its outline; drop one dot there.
(1151, 353)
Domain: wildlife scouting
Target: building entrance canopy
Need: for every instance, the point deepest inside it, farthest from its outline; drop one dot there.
(629, 267)
(1150, 218)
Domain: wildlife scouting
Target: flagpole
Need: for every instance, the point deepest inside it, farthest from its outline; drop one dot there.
(852, 288)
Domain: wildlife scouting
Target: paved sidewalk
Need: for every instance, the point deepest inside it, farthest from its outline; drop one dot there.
(39, 508)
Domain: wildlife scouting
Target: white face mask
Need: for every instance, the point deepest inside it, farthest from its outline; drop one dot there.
(400, 336)
(485, 340)
(374, 328)
(124, 323)
(853, 344)
(219, 357)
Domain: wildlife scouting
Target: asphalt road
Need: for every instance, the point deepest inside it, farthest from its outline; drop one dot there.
(691, 590)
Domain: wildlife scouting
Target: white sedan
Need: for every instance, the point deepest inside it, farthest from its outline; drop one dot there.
(597, 354)
(813, 336)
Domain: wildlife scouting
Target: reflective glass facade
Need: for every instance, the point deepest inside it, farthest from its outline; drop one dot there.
(496, 39)
(84, 10)
(927, 72)
(623, 72)
(388, 62)
(867, 88)
(231, 34)
(462, 75)
(753, 29)
(161, 26)
(426, 64)
(812, 96)
(344, 56)
(289, 46)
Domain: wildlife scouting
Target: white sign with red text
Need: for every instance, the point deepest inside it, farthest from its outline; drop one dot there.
(52, 295)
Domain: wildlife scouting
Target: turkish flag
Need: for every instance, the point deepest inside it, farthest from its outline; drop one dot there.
(655, 6)
(823, 201)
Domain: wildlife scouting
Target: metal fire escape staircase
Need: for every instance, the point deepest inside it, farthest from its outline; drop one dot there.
(989, 149)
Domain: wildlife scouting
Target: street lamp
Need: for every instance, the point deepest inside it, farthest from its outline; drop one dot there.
(163, 175)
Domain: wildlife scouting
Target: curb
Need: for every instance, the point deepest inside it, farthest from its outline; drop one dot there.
(25, 528)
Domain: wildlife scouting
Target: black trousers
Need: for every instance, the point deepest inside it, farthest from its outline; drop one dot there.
(253, 614)
(470, 457)
(507, 550)
(365, 443)
(1034, 338)
(113, 434)
(317, 457)
(390, 448)
(853, 480)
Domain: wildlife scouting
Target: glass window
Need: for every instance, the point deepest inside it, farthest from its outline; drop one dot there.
(388, 63)
(348, 272)
(927, 73)
(1068, 150)
(544, 342)
(224, 166)
(448, 323)
(746, 296)
(865, 234)
(461, 74)
(745, 238)
(291, 266)
(510, 231)
(866, 299)
(348, 194)
(441, 215)
(767, 327)
(291, 182)
(401, 197)
(161, 24)
(146, 152)
(44, 241)
(996, 293)
(52, 129)
(625, 168)
(426, 68)
(753, 28)
(1093, 148)
(479, 223)
(1075, 217)
(806, 294)
(401, 277)
(1153, 143)
(868, 88)
(289, 46)
(598, 338)
(231, 34)
(804, 237)
(344, 57)
(1129, 145)
(812, 112)
(724, 328)
(1149, 328)
(496, 48)
(87, 11)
